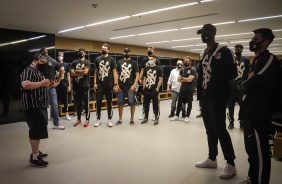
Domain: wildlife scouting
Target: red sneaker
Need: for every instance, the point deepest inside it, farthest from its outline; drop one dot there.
(77, 123)
(86, 123)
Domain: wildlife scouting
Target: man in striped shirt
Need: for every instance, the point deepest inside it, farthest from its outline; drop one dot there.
(35, 101)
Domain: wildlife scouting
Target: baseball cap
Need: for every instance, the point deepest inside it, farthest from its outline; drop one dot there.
(207, 27)
(127, 50)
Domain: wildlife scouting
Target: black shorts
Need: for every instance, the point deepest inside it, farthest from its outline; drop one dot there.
(37, 120)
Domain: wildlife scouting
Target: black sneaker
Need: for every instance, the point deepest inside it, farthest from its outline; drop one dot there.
(41, 155)
(171, 115)
(131, 122)
(231, 126)
(199, 116)
(118, 122)
(145, 120)
(156, 122)
(38, 163)
(242, 126)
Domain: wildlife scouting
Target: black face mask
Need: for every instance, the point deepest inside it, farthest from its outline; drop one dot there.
(80, 55)
(186, 64)
(179, 66)
(150, 53)
(205, 38)
(254, 46)
(238, 54)
(104, 52)
(43, 68)
(126, 56)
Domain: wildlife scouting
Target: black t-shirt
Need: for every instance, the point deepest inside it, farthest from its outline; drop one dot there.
(52, 68)
(145, 63)
(152, 75)
(105, 67)
(80, 81)
(185, 72)
(127, 70)
(66, 69)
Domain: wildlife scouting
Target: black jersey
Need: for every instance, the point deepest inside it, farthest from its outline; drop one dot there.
(186, 72)
(105, 67)
(152, 75)
(81, 81)
(127, 70)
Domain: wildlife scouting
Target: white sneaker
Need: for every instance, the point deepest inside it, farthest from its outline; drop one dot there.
(208, 163)
(142, 117)
(174, 118)
(186, 120)
(68, 117)
(110, 123)
(97, 123)
(153, 118)
(228, 171)
(59, 127)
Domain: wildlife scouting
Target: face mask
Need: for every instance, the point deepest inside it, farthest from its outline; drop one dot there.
(179, 66)
(150, 53)
(238, 54)
(205, 38)
(151, 62)
(186, 64)
(126, 56)
(254, 46)
(104, 52)
(80, 55)
(60, 58)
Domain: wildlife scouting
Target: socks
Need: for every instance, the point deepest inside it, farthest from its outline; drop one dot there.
(34, 156)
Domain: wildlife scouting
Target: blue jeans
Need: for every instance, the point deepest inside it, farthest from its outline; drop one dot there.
(130, 96)
(174, 98)
(54, 106)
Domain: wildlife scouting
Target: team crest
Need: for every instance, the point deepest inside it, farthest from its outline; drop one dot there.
(218, 55)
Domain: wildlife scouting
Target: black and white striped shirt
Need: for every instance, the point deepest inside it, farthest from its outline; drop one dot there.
(35, 98)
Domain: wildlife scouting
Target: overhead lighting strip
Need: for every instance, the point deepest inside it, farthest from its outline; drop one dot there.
(134, 15)
(20, 41)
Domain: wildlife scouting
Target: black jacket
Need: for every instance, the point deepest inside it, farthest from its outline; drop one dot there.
(260, 90)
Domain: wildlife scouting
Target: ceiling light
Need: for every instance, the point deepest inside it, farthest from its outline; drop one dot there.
(241, 41)
(237, 34)
(157, 42)
(38, 49)
(182, 46)
(122, 37)
(185, 39)
(75, 28)
(164, 9)
(169, 30)
(34, 38)
(192, 27)
(23, 40)
(106, 21)
(202, 44)
(260, 18)
(197, 49)
(223, 23)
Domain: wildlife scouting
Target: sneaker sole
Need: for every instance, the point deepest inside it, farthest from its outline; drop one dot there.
(225, 177)
(40, 166)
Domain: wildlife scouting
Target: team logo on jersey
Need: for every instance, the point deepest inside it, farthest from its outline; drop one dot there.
(79, 66)
(125, 72)
(151, 78)
(104, 68)
(218, 55)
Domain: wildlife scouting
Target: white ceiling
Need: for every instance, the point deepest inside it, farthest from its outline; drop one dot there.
(52, 16)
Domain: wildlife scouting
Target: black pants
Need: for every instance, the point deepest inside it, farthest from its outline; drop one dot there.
(81, 99)
(213, 111)
(183, 98)
(235, 96)
(257, 147)
(154, 96)
(62, 95)
(100, 92)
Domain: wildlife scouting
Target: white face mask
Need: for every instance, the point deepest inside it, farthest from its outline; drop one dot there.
(60, 58)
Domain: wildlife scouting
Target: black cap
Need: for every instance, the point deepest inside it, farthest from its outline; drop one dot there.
(239, 45)
(266, 33)
(207, 27)
(127, 50)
